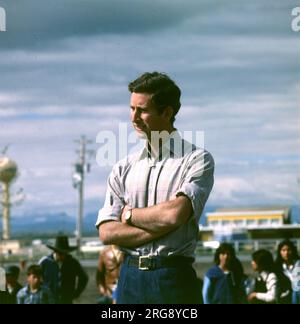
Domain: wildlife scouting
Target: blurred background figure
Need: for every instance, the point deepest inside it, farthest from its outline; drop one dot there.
(288, 263)
(34, 292)
(12, 286)
(265, 289)
(224, 282)
(62, 273)
(110, 260)
(23, 265)
(2, 285)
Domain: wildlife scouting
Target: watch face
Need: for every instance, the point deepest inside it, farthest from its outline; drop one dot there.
(128, 215)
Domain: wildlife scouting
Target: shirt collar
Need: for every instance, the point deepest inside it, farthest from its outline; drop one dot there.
(37, 291)
(288, 267)
(173, 146)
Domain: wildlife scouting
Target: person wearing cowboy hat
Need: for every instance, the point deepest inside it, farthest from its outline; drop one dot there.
(62, 273)
(12, 273)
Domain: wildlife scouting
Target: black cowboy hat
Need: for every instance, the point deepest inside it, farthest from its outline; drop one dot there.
(62, 245)
(13, 271)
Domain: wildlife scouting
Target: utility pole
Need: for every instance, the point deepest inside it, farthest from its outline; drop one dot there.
(6, 211)
(81, 167)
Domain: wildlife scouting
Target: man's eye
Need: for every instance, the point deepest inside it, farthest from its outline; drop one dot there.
(140, 110)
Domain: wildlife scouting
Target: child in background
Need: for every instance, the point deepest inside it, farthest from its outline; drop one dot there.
(12, 285)
(34, 292)
(266, 284)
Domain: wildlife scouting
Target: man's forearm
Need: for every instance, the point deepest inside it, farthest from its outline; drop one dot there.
(120, 234)
(166, 216)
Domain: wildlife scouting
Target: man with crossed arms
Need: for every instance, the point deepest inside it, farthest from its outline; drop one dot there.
(155, 199)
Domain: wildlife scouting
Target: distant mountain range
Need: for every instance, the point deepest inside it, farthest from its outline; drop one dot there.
(48, 225)
(33, 225)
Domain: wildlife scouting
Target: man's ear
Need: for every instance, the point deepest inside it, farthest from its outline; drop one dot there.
(168, 113)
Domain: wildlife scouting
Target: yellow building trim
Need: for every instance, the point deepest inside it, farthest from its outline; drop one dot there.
(244, 217)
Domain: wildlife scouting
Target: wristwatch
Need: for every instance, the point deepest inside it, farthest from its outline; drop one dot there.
(128, 216)
(181, 194)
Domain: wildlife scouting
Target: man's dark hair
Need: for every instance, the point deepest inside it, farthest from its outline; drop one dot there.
(35, 270)
(163, 90)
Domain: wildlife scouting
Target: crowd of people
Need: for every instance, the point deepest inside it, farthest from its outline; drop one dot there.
(276, 282)
(59, 278)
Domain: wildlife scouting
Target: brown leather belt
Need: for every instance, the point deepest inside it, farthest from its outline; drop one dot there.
(155, 262)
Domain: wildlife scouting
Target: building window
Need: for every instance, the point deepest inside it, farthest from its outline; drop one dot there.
(263, 221)
(213, 223)
(238, 223)
(250, 222)
(225, 223)
(275, 221)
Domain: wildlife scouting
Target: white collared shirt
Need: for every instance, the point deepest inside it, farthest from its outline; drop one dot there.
(140, 181)
(271, 282)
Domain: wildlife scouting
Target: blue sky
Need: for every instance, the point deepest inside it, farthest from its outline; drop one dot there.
(64, 70)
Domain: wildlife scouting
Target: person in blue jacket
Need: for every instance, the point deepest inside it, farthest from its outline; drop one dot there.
(224, 282)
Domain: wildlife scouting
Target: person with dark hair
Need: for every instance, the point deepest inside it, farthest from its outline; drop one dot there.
(224, 282)
(35, 292)
(164, 92)
(266, 288)
(288, 265)
(62, 273)
(12, 285)
(154, 200)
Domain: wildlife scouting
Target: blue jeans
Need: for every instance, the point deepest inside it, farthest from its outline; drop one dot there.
(296, 297)
(172, 285)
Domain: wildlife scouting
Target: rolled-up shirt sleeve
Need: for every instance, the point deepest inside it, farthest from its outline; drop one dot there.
(198, 181)
(272, 289)
(114, 199)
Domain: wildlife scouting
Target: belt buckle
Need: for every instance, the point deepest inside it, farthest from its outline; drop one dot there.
(142, 265)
